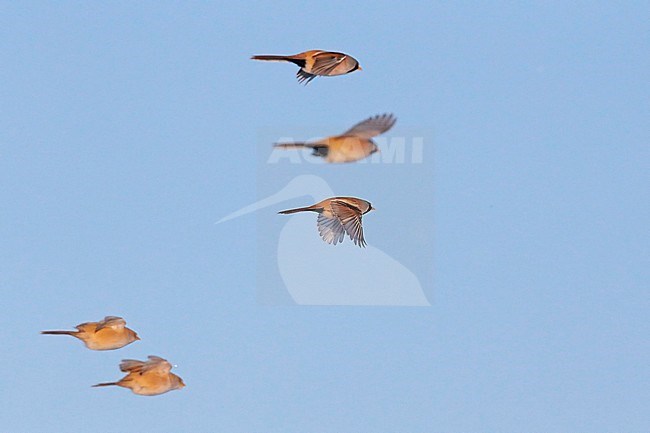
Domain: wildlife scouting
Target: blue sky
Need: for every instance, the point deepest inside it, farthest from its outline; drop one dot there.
(128, 129)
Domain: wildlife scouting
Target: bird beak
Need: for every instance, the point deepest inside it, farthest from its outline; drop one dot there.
(372, 208)
(360, 68)
(137, 338)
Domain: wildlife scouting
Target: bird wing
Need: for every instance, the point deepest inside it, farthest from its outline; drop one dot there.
(131, 365)
(87, 327)
(350, 219)
(330, 229)
(324, 63)
(304, 77)
(157, 365)
(372, 126)
(114, 322)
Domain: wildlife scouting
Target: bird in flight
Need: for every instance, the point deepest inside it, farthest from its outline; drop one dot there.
(152, 377)
(338, 216)
(108, 334)
(354, 144)
(317, 62)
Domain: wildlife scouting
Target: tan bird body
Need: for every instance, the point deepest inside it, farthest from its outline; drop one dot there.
(108, 334)
(317, 62)
(152, 377)
(338, 216)
(354, 144)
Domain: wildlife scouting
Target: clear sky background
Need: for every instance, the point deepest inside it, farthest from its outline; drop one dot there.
(128, 128)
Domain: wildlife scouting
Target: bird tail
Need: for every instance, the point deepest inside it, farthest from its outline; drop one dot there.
(293, 145)
(59, 332)
(105, 384)
(298, 209)
(293, 59)
(272, 58)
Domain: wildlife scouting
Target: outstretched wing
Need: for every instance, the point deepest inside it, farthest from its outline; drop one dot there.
(157, 365)
(372, 126)
(350, 219)
(131, 365)
(113, 322)
(330, 229)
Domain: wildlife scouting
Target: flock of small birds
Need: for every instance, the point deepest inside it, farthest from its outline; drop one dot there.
(337, 216)
(151, 377)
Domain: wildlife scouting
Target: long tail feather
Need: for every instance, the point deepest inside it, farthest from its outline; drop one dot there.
(105, 384)
(293, 145)
(59, 332)
(299, 209)
(272, 58)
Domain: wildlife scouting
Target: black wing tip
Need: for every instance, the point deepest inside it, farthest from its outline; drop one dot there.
(386, 116)
(304, 77)
(361, 242)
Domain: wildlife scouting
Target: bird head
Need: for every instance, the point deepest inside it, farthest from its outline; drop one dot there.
(177, 382)
(365, 206)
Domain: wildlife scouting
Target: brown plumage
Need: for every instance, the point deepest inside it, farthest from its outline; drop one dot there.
(108, 334)
(315, 63)
(152, 377)
(354, 144)
(338, 216)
